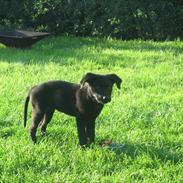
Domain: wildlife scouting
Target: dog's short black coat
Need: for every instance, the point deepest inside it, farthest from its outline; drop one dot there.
(84, 101)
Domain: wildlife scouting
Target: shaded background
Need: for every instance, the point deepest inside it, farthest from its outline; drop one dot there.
(124, 19)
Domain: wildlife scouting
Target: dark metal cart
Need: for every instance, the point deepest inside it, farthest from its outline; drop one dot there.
(20, 38)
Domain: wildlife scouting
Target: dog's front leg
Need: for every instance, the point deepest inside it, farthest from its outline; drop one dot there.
(90, 131)
(81, 124)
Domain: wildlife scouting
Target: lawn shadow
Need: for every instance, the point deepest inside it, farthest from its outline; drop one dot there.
(66, 50)
(134, 150)
(6, 132)
(6, 123)
(148, 46)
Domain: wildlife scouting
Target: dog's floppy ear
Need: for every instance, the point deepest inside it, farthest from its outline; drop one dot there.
(115, 79)
(88, 78)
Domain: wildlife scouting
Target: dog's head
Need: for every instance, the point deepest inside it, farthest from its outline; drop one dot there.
(99, 87)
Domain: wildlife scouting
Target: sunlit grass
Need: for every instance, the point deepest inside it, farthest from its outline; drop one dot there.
(146, 117)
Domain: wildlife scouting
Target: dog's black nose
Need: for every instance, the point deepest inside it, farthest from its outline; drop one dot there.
(106, 99)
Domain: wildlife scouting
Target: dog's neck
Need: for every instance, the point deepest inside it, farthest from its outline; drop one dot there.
(90, 95)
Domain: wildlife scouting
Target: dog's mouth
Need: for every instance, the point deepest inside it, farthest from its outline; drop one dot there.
(101, 99)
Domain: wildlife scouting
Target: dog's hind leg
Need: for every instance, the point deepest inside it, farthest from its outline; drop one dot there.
(37, 116)
(47, 118)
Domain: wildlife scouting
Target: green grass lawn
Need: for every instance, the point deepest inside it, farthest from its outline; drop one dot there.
(146, 117)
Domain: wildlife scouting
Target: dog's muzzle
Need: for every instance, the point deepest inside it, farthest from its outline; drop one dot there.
(106, 99)
(101, 99)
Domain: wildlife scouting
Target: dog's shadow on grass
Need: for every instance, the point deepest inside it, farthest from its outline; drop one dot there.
(134, 150)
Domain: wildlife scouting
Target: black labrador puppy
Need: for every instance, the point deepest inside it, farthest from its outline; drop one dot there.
(84, 101)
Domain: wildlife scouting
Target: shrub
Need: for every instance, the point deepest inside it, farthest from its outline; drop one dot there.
(132, 19)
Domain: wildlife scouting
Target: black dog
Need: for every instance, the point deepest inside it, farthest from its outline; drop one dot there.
(84, 101)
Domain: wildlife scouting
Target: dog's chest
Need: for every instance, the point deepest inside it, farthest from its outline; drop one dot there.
(89, 109)
(86, 106)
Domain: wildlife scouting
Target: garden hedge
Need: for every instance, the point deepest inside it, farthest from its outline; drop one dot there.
(124, 19)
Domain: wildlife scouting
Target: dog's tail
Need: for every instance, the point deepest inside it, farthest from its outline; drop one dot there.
(25, 109)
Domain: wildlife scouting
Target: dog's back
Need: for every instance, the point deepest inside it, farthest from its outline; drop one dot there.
(59, 95)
